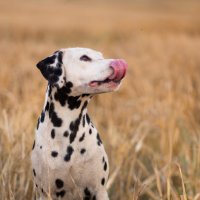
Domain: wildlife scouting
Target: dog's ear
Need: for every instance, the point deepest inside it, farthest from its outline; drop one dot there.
(52, 68)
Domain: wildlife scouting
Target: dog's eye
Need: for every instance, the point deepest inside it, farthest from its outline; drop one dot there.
(85, 58)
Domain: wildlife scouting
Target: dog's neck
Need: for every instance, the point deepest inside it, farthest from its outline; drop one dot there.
(64, 111)
(64, 100)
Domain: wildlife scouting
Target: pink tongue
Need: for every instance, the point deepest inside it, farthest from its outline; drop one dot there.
(119, 67)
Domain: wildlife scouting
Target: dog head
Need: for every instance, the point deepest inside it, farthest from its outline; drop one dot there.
(87, 70)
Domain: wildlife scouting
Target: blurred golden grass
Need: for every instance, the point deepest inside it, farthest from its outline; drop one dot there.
(150, 127)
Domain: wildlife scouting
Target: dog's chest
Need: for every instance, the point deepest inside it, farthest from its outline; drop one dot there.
(59, 144)
(55, 156)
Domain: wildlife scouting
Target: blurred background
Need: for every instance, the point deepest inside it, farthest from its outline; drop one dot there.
(150, 127)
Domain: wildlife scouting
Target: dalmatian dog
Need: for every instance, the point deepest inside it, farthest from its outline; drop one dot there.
(69, 161)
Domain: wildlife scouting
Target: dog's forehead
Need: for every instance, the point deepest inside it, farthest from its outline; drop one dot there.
(78, 52)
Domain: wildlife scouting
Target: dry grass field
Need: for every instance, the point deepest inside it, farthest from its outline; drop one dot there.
(150, 127)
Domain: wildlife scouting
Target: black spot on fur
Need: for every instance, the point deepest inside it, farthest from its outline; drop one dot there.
(84, 106)
(53, 133)
(94, 197)
(42, 117)
(60, 56)
(38, 123)
(82, 137)
(74, 126)
(99, 142)
(34, 172)
(53, 78)
(105, 166)
(69, 84)
(90, 131)
(47, 106)
(59, 183)
(87, 192)
(40, 147)
(58, 70)
(42, 190)
(36, 185)
(70, 151)
(84, 121)
(85, 95)
(88, 195)
(88, 118)
(50, 60)
(102, 181)
(33, 145)
(57, 122)
(54, 153)
(61, 94)
(66, 134)
(60, 194)
(74, 102)
(82, 151)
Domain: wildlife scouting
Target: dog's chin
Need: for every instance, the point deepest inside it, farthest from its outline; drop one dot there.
(112, 86)
(104, 87)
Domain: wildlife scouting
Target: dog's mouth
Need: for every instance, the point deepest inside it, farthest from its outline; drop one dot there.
(106, 81)
(119, 68)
